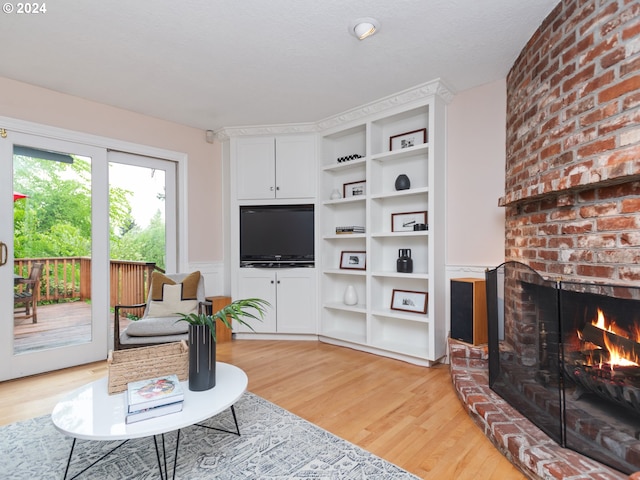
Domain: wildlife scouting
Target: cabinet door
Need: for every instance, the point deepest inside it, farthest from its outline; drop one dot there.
(296, 296)
(257, 283)
(295, 166)
(255, 161)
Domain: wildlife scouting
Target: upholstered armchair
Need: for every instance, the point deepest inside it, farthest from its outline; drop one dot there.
(169, 295)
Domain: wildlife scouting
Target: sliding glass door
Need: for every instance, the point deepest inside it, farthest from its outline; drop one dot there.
(54, 273)
(81, 229)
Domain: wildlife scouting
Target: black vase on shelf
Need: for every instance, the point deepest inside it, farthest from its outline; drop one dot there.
(404, 264)
(202, 358)
(403, 182)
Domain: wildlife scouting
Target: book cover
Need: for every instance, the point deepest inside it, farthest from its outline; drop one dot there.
(154, 412)
(153, 392)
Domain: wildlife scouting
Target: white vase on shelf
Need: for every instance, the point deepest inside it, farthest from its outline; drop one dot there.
(350, 295)
(335, 194)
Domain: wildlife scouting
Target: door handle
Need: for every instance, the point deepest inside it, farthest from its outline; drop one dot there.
(4, 254)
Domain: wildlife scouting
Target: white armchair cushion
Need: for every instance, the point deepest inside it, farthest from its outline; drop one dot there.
(154, 327)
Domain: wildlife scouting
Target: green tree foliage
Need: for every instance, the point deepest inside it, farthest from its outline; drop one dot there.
(55, 219)
(142, 245)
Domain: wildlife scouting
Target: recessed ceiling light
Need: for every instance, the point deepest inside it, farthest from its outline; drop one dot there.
(363, 27)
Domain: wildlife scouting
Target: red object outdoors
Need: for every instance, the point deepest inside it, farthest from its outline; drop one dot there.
(18, 195)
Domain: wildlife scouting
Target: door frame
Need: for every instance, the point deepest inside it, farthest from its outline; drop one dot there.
(54, 134)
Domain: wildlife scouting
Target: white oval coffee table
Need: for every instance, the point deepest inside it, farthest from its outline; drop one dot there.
(90, 413)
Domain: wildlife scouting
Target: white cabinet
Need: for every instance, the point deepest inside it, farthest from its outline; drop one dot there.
(281, 167)
(373, 324)
(291, 293)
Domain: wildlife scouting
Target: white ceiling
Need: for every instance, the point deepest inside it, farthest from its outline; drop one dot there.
(223, 63)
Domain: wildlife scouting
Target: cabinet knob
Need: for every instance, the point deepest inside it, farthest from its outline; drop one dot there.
(278, 282)
(271, 189)
(277, 188)
(272, 282)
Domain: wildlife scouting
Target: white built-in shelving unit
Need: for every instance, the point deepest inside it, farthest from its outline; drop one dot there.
(372, 324)
(310, 301)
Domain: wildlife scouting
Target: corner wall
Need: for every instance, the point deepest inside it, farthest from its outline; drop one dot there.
(475, 176)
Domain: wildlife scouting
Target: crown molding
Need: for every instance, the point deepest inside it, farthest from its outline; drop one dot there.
(283, 129)
(420, 92)
(414, 94)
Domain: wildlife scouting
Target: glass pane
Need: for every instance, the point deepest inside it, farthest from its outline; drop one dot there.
(52, 249)
(138, 236)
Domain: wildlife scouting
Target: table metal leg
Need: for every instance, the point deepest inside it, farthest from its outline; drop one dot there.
(235, 419)
(164, 472)
(66, 471)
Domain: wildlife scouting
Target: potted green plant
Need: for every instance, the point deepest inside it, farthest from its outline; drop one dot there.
(202, 337)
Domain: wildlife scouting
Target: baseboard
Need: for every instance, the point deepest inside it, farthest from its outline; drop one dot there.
(275, 336)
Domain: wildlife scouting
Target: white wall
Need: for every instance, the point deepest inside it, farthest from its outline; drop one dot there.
(476, 139)
(205, 197)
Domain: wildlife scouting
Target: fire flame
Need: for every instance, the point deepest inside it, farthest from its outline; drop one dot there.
(617, 355)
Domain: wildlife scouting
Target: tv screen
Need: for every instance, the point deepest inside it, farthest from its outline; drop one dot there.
(277, 233)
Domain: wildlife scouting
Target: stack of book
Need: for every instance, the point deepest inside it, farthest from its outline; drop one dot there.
(349, 229)
(153, 397)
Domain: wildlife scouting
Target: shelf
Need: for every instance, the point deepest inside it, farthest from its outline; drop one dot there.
(419, 233)
(343, 201)
(338, 271)
(399, 315)
(400, 154)
(391, 274)
(344, 236)
(359, 162)
(359, 308)
(401, 193)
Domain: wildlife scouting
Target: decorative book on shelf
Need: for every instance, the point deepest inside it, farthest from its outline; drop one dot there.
(154, 412)
(153, 392)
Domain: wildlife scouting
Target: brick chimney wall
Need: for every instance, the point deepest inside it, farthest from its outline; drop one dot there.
(572, 192)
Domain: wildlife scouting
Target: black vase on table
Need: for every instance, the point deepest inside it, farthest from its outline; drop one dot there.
(202, 358)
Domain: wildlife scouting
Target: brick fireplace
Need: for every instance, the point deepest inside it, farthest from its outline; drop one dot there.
(572, 189)
(572, 183)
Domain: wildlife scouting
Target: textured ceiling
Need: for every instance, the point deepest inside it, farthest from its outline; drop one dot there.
(224, 63)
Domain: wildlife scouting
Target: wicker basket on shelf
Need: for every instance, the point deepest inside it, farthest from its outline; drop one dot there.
(147, 362)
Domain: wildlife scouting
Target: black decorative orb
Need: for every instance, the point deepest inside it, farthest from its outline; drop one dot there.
(402, 182)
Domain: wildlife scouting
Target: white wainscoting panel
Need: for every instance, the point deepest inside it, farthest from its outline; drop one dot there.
(214, 277)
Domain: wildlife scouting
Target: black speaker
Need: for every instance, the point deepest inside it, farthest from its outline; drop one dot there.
(469, 310)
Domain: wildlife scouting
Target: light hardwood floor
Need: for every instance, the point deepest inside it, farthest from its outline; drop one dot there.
(407, 414)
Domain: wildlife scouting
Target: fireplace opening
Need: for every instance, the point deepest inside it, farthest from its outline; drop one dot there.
(566, 355)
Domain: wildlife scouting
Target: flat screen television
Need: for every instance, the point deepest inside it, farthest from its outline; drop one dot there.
(277, 235)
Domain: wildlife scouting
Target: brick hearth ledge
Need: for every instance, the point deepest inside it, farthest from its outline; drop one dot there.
(526, 446)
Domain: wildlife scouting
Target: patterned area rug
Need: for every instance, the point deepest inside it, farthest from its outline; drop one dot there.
(275, 444)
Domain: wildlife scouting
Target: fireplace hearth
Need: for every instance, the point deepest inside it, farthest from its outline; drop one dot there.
(565, 355)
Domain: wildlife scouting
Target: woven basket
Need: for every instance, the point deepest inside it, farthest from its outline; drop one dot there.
(147, 362)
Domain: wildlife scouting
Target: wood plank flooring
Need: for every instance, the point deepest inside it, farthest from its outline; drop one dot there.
(406, 414)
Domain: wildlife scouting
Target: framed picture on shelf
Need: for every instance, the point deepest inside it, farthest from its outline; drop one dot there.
(404, 222)
(354, 189)
(408, 301)
(408, 139)
(353, 260)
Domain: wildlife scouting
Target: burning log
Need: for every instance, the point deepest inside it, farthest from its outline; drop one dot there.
(625, 347)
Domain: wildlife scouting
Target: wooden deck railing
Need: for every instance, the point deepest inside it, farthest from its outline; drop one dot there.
(69, 278)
